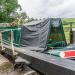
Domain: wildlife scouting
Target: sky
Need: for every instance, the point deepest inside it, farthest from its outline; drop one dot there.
(49, 8)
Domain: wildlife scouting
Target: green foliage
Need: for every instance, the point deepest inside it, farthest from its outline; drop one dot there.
(8, 8)
(22, 18)
(8, 12)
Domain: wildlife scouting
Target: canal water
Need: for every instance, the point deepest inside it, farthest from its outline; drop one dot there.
(11, 73)
(7, 68)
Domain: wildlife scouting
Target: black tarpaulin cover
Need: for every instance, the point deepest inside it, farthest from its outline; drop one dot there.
(34, 34)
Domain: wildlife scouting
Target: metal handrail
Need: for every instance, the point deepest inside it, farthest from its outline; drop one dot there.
(12, 35)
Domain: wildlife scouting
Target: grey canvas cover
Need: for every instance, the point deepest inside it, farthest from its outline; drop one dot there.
(34, 34)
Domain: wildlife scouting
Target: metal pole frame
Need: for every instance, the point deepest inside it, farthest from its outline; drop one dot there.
(12, 38)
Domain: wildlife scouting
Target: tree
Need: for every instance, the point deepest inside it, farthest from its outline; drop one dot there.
(8, 12)
(7, 9)
(21, 18)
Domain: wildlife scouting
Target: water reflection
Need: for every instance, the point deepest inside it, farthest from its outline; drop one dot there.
(11, 73)
(7, 68)
(16, 73)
